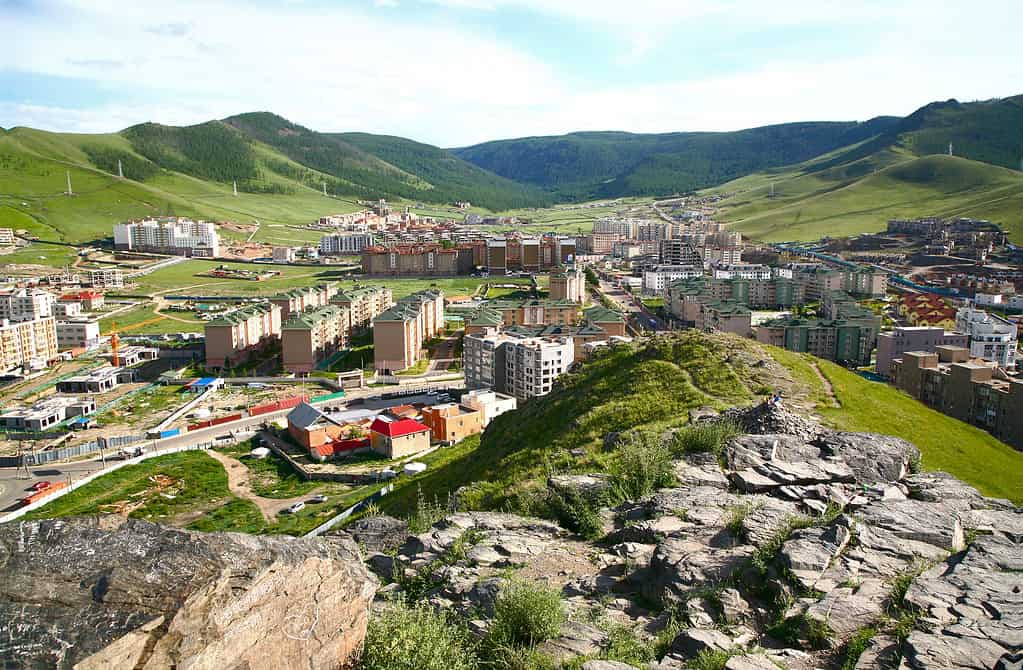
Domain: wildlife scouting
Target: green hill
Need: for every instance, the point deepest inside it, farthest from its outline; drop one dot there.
(612, 164)
(650, 386)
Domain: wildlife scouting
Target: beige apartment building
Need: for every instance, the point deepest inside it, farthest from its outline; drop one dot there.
(299, 300)
(506, 313)
(364, 303)
(569, 286)
(417, 260)
(27, 343)
(235, 336)
(309, 338)
(399, 332)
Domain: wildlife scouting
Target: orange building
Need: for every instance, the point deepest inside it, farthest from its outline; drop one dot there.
(452, 422)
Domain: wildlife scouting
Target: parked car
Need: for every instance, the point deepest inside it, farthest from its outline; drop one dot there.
(320, 498)
(39, 486)
(296, 508)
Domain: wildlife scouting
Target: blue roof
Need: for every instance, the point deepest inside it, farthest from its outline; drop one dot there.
(205, 381)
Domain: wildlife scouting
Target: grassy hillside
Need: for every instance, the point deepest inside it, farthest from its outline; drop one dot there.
(611, 164)
(652, 385)
(861, 196)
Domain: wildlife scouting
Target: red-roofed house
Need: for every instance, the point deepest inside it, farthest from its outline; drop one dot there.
(325, 452)
(91, 300)
(395, 439)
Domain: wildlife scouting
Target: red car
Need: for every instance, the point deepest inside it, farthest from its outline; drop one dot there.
(39, 486)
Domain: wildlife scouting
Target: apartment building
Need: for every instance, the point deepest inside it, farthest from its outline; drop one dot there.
(846, 340)
(234, 337)
(298, 300)
(452, 422)
(489, 403)
(527, 254)
(746, 271)
(417, 260)
(90, 300)
(310, 337)
(865, 282)
(894, 344)
(364, 303)
(679, 252)
(523, 313)
(78, 333)
(169, 235)
(29, 344)
(6, 237)
(46, 413)
(521, 366)
(569, 285)
(26, 304)
(730, 255)
(726, 316)
(625, 228)
(975, 391)
(399, 332)
(67, 310)
(106, 278)
(284, 255)
(657, 279)
(345, 244)
(992, 337)
(685, 296)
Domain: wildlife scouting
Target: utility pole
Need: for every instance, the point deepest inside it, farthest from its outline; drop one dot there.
(324, 188)
(69, 191)
(236, 189)
(949, 148)
(120, 169)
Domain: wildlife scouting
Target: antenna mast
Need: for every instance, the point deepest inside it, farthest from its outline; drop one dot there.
(69, 191)
(324, 188)
(236, 189)
(949, 148)
(120, 169)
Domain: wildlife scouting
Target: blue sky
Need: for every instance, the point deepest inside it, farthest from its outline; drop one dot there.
(454, 72)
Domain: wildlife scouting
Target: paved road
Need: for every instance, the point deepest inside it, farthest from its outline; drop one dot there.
(15, 483)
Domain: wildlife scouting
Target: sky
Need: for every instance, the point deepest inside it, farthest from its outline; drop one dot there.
(458, 72)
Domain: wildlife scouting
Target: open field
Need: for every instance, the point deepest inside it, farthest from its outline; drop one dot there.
(144, 321)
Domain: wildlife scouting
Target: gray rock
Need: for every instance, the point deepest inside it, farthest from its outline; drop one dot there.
(690, 642)
(109, 592)
(680, 567)
(774, 419)
(577, 639)
(378, 534)
(809, 551)
(873, 458)
(607, 665)
(881, 652)
(590, 487)
(750, 662)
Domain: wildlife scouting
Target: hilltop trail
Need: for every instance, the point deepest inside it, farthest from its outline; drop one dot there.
(238, 482)
(829, 390)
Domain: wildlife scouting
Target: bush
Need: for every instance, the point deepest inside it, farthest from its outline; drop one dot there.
(406, 637)
(855, 647)
(704, 437)
(573, 511)
(710, 659)
(643, 465)
(525, 614)
(428, 512)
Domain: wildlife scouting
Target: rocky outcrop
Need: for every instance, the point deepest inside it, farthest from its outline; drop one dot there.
(114, 593)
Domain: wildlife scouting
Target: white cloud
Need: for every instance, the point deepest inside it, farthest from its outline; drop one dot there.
(437, 81)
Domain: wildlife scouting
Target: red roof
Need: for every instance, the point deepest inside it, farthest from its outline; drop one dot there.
(398, 428)
(82, 295)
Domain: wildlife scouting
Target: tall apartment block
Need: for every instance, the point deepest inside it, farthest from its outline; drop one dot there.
(345, 243)
(521, 366)
(309, 338)
(27, 343)
(894, 344)
(234, 337)
(992, 338)
(364, 303)
(106, 278)
(399, 332)
(428, 259)
(25, 304)
(679, 252)
(300, 299)
(170, 235)
(569, 285)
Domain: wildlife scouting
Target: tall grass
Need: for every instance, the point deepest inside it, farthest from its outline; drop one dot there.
(416, 637)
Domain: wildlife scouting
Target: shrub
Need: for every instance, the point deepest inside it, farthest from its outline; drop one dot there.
(526, 613)
(710, 659)
(406, 637)
(855, 647)
(736, 515)
(428, 512)
(704, 437)
(625, 647)
(643, 465)
(573, 511)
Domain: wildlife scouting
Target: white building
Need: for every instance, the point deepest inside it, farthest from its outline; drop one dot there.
(81, 332)
(991, 337)
(284, 254)
(489, 404)
(988, 299)
(524, 367)
(26, 304)
(179, 236)
(1015, 302)
(6, 237)
(742, 271)
(67, 309)
(614, 226)
(721, 256)
(656, 280)
(46, 413)
(106, 278)
(345, 243)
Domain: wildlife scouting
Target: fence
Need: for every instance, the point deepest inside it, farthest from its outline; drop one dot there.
(362, 504)
(21, 511)
(64, 453)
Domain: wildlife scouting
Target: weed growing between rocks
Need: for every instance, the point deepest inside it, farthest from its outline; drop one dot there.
(643, 465)
(526, 614)
(704, 437)
(416, 637)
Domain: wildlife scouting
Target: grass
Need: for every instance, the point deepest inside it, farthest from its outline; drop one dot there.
(145, 321)
(525, 614)
(965, 451)
(417, 368)
(271, 477)
(142, 405)
(415, 637)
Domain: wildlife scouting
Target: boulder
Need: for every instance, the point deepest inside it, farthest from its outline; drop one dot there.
(576, 639)
(607, 665)
(690, 642)
(873, 458)
(378, 534)
(109, 592)
(590, 487)
(750, 662)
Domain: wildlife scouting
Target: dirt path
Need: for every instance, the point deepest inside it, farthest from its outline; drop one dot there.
(829, 390)
(238, 483)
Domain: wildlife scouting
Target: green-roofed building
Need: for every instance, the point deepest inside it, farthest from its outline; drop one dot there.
(313, 336)
(233, 337)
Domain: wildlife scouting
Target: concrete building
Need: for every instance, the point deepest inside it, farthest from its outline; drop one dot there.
(730, 255)
(6, 237)
(992, 337)
(364, 303)
(26, 304)
(726, 317)
(523, 313)
(685, 296)
(90, 300)
(490, 404)
(300, 299)
(311, 337)
(67, 310)
(284, 254)
(452, 422)
(395, 439)
(865, 282)
(134, 354)
(679, 252)
(106, 278)
(78, 332)
(974, 391)
(741, 271)
(28, 344)
(521, 366)
(345, 244)
(100, 380)
(846, 340)
(46, 413)
(417, 260)
(234, 337)
(657, 279)
(568, 285)
(399, 332)
(894, 344)
(169, 235)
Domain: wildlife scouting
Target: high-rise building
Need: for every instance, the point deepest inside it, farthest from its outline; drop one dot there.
(363, 303)
(399, 332)
(522, 366)
(679, 252)
(345, 243)
(310, 337)
(171, 235)
(992, 337)
(27, 343)
(569, 284)
(26, 304)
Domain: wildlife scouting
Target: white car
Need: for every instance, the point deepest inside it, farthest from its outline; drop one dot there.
(296, 508)
(319, 498)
